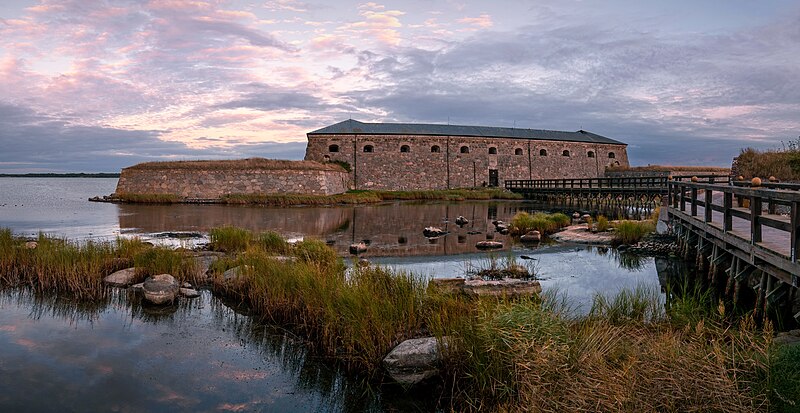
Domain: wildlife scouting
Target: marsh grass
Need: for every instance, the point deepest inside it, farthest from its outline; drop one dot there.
(161, 260)
(630, 232)
(148, 198)
(524, 222)
(230, 239)
(368, 197)
(602, 223)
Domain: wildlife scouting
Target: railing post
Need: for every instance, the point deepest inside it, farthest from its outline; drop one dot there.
(708, 209)
(727, 221)
(755, 219)
(694, 201)
(682, 200)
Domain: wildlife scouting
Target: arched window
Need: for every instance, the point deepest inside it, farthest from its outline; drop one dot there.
(590, 154)
(435, 149)
(464, 149)
(543, 152)
(565, 153)
(333, 148)
(492, 151)
(518, 151)
(369, 148)
(405, 148)
(611, 155)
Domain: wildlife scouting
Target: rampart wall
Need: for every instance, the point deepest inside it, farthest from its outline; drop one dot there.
(389, 167)
(212, 182)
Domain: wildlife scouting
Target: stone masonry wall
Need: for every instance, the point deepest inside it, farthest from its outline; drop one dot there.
(212, 184)
(386, 167)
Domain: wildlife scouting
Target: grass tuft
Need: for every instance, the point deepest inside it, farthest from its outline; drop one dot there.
(630, 232)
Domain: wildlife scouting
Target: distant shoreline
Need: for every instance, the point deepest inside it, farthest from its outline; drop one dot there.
(67, 175)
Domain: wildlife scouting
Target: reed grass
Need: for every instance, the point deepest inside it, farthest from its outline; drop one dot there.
(602, 223)
(367, 197)
(524, 222)
(630, 232)
(148, 198)
(230, 239)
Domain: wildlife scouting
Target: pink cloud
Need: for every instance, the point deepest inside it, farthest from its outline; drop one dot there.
(484, 21)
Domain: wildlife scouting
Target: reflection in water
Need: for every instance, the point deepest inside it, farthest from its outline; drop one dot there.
(120, 355)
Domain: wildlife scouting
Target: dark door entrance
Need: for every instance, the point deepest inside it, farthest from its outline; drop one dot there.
(493, 178)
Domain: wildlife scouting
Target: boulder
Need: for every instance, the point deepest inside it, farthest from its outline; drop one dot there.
(533, 236)
(358, 248)
(189, 292)
(160, 289)
(414, 360)
(31, 245)
(121, 278)
(585, 218)
(137, 287)
(235, 273)
(576, 215)
(461, 221)
(432, 232)
(488, 245)
(505, 287)
(447, 285)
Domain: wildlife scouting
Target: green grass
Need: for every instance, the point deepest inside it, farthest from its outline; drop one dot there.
(630, 232)
(602, 223)
(230, 239)
(524, 222)
(148, 198)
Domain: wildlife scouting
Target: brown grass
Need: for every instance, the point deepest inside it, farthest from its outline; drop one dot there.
(784, 165)
(249, 163)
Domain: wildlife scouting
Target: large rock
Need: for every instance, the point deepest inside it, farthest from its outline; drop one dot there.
(236, 273)
(532, 236)
(414, 360)
(432, 232)
(160, 289)
(488, 245)
(509, 287)
(121, 278)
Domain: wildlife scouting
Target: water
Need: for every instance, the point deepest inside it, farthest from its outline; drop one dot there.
(202, 355)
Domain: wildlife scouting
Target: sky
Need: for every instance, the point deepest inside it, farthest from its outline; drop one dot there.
(99, 85)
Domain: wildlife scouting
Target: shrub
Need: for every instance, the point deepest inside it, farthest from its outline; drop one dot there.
(602, 223)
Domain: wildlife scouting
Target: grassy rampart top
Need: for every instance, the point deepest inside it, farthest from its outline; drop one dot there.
(237, 164)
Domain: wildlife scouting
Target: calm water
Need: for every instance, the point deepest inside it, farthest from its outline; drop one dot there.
(202, 355)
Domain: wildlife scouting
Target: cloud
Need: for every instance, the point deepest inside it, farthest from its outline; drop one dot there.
(286, 5)
(484, 21)
(35, 142)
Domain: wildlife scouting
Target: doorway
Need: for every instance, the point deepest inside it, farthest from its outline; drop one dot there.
(494, 180)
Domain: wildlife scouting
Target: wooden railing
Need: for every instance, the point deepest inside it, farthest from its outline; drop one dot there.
(758, 205)
(638, 183)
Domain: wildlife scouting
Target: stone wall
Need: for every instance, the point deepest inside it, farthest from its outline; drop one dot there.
(213, 182)
(387, 167)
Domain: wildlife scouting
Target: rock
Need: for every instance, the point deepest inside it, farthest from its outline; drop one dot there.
(447, 285)
(358, 248)
(138, 287)
(489, 245)
(791, 337)
(533, 236)
(576, 215)
(121, 278)
(432, 232)
(473, 232)
(461, 221)
(160, 289)
(235, 273)
(505, 287)
(585, 218)
(31, 245)
(414, 360)
(189, 292)
(186, 285)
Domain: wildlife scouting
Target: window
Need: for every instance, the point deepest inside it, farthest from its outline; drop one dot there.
(333, 148)
(369, 148)
(464, 149)
(405, 148)
(435, 149)
(611, 155)
(590, 154)
(543, 152)
(492, 151)
(565, 153)
(518, 151)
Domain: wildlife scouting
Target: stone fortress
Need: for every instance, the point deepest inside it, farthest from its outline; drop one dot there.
(407, 156)
(388, 156)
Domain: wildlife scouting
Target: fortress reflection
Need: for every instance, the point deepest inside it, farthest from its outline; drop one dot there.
(390, 229)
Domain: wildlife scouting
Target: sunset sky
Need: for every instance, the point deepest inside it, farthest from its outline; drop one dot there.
(98, 85)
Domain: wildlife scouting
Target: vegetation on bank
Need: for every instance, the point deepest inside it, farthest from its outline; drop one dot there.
(502, 354)
(669, 168)
(148, 198)
(783, 163)
(367, 197)
(77, 269)
(630, 232)
(523, 222)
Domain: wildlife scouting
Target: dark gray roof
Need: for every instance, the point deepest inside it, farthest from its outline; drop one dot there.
(354, 127)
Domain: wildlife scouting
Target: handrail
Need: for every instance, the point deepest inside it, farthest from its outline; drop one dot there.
(682, 193)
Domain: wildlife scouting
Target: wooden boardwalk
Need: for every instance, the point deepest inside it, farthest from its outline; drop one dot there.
(734, 230)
